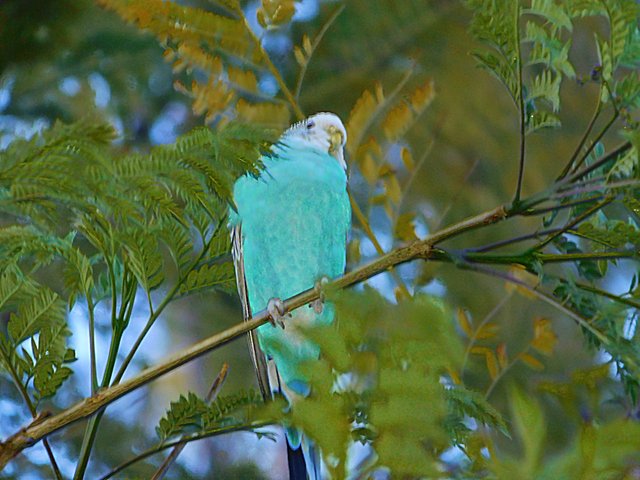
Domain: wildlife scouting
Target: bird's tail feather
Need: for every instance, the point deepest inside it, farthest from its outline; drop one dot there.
(297, 464)
(304, 461)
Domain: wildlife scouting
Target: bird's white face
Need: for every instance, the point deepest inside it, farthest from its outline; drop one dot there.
(324, 131)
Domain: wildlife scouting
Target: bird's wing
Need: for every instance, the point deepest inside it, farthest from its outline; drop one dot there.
(258, 358)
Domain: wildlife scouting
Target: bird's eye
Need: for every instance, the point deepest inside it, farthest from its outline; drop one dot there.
(310, 125)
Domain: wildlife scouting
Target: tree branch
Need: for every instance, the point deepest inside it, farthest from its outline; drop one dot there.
(88, 407)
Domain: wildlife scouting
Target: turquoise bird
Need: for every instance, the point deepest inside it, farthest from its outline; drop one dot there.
(288, 232)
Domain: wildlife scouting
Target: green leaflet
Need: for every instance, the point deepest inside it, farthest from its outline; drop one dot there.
(110, 224)
(192, 415)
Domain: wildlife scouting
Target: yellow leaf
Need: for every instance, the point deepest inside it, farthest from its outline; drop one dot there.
(422, 96)
(501, 352)
(369, 169)
(589, 377)
(455, 378)
(407, 159)
(464, 321)
(278, 12)
(544, 338)
(531, 361)
(378, 199)
(393, 189)
(359, 118)
(492, 364)
(386, 169)
(486, 331)
(266, 114)
(245, 79)
(306, 44)
(397, 121)
(529, 279)
(379, 92)
(299, 54)
(261, 16)
(353, 251)
(480, 350)
(399, 294)
(210, 99)
(193, 55)
(405, 228)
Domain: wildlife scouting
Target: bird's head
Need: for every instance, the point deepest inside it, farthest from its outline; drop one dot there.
(324, 131)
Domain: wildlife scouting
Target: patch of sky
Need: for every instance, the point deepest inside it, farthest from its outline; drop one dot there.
(6, 86)
(306, 10)
(12, 127)
(268, 85)
(101, 88)
(70, 86)
(165, 128)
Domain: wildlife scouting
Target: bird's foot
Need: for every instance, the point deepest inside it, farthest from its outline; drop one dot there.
(275, 307)
(318, 305)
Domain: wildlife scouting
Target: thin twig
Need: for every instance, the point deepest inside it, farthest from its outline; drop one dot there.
(485, 320)
(597, 188)
(503, 371)
(189, 439)
(316, 42)
(554, 208)
(354, 143)
(211, 396)
(270, 66)
(605, 129)
(602, 133)
(456, 196)
(511, 241)
(584, 323)
(355, 208)
(620, 149)
(521, 107)
(574, 222)
(88, 407)
(584, 138)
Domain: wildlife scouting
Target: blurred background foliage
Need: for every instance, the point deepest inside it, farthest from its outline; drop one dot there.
(455, 157)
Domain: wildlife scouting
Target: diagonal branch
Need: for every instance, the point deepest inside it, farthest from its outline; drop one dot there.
(88, 407)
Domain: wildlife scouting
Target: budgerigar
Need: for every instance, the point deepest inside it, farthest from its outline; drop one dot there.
(290, 230)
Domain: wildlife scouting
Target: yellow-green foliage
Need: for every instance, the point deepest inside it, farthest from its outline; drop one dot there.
(379, 381)
(108, 220)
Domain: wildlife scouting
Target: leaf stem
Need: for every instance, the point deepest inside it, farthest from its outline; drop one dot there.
(183, 440)
(316, 42)
(485, 320)
(620, 149)
(92, 343)
(583, 140)
(154, 314)
(562, 206)
(270, 66)
(355, 208)
(521, 107)
(601, 134)
(503, 371)
(574, 222)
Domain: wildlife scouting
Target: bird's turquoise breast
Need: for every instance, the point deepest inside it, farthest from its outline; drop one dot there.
(295, 220)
